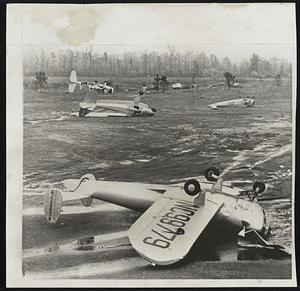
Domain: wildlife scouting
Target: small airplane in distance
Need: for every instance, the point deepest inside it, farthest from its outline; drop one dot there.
(116, 108)
(233, 84)
(93, 86)
(174, 215)
(177, 86)
(240, 102)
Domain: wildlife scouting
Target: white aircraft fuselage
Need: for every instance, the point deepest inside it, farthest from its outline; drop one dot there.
(119, 108)
(140, 196)
(131, 108)
(241, 102)
(174, 216)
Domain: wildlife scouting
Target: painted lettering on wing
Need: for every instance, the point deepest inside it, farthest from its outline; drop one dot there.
(171, 225)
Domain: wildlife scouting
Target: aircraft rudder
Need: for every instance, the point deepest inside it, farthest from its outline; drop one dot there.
(73, 77)
(52, 202)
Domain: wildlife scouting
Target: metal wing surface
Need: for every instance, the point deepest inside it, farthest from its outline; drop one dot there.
(168, 229)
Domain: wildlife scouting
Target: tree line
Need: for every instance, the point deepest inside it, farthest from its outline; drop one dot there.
(147, 64)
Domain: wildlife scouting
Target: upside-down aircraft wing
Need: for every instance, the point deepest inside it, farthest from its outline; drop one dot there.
(102, 114)
(167, 230)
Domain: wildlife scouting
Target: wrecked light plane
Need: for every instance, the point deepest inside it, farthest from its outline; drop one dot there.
(177, 86)
(115, 108)
(92, 86)
(174, 215)
(240, 102)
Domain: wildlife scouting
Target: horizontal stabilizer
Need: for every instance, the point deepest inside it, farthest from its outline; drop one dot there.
(168, 229)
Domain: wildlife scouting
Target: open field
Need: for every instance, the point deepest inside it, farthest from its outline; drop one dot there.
(180, 141)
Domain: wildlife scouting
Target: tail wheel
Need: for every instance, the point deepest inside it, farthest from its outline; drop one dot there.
(258, 187)
(86, 201)
(208, 173)
(192, 187)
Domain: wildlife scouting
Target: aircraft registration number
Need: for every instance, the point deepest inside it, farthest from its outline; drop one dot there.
(171, 224)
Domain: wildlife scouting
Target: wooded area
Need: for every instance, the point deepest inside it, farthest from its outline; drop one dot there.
(144, 64)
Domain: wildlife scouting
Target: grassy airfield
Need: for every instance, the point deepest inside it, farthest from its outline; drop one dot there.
(180, 141)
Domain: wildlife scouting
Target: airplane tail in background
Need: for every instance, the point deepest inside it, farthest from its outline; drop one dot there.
(73, 77)
(73, 81)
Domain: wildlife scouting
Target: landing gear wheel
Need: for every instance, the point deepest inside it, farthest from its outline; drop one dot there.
(208, 173)
(258, 187)
(192, 187)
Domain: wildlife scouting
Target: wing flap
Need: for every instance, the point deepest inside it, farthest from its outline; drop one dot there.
(165, 233)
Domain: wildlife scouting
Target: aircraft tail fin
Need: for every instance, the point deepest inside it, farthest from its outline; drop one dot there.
(73, 81)
(54, 198)
(73, 77)
(52, 205)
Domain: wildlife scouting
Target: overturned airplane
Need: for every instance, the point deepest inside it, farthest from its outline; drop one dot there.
(231, 82)
(116, 108)
(240, 102)
(92, 86)
(174, 215)
(112, 108)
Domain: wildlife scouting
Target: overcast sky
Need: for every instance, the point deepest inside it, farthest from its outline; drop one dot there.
(234, 30)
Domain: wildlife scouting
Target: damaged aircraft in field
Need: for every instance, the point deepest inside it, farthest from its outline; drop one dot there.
(110, 108)
(93, 86)
(174, 215)
(240, 102)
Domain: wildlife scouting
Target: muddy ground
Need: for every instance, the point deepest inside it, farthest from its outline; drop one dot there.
(180, 141)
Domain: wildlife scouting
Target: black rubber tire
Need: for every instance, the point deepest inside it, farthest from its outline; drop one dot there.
(196, 185)
(258, 186)
(209, 171)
